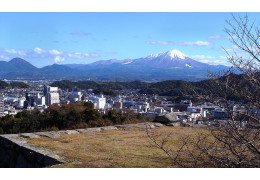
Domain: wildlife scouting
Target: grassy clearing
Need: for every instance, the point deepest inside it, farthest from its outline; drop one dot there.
(129, 148)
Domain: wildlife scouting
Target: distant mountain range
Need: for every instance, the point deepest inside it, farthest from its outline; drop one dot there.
(171, 65)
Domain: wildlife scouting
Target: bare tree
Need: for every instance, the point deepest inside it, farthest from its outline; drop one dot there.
(234, 142)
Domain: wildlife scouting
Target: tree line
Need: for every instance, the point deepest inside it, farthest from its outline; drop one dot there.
(69, 116)
(4, 85)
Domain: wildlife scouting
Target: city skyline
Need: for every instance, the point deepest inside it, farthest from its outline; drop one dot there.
(82, 38)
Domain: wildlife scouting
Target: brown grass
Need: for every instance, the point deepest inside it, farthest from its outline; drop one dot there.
(129, 148)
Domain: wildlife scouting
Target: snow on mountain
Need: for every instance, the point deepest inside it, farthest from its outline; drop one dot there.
(188, 65)
(174, 54)
(127, 62)
(153, 56)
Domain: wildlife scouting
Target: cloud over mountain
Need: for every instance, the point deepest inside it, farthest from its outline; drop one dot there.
(196, 43)
(45, 54)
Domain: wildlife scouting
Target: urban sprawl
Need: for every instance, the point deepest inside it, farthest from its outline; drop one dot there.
(40, 96)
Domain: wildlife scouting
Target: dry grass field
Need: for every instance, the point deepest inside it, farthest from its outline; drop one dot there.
(129, 148)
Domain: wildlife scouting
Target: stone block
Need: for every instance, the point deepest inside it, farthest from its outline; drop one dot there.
(89, 130)
(50, 134)
(109, 128)
(29, 135)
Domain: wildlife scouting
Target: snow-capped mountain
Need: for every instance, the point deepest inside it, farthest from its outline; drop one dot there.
(172, 59)
(172, 64)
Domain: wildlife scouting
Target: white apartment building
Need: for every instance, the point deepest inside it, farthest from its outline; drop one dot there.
(99, 102)
(20, 102)
(52, 95)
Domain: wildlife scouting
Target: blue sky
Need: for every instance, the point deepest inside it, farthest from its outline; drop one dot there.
(73, 38)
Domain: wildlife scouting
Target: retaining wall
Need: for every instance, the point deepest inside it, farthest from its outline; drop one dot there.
(15, 152)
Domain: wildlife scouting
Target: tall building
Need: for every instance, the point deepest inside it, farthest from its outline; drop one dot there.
(99, 102)
(1, 106)
(51, 95)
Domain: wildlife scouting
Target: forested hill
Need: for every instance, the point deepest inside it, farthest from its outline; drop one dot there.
(65, 84)
(163, 88)
(4, 85)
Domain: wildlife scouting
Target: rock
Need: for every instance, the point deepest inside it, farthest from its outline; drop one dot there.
(148, 125)
(125, 126)
(68, 132)
(15, 138)
(29, 135)
(108, 128)
(88, 130)
(50, 134)
(158, 124)
(170, 117)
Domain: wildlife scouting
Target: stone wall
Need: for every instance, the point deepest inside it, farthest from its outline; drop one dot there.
(15, 152)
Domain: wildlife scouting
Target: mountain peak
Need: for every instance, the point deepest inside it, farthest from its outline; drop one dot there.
(22, 64)
(171, 53)
(175, 53)
(17, 60)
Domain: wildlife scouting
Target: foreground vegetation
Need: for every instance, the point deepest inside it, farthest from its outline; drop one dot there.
(69, 116)
(115, 148)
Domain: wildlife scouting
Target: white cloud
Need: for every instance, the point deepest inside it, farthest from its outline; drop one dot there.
(39, 53)
(221, 60)
(222, 57)
(21, 53)
(3, 57)
(214, 62)
(13, 51)
(55, 52)
(197, 43)
(38, 50)
(202, 57)
(58, 59)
